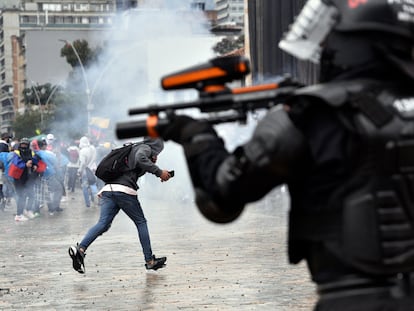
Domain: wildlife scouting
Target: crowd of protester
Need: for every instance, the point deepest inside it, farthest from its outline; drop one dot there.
(37, 174)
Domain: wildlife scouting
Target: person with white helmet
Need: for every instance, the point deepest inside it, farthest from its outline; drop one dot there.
(50, 138)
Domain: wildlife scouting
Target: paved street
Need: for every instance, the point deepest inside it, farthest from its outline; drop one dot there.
(239, 266)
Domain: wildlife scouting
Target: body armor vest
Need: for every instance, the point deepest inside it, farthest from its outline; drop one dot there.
(372, 230)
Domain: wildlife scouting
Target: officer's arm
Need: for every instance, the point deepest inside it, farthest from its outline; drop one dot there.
(225, 182)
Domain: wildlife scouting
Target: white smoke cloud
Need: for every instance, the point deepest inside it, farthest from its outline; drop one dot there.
(144, 45)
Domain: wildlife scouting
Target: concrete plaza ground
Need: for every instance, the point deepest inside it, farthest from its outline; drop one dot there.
(238, 266)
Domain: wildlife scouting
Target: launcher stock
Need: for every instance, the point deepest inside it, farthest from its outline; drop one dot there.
(210, 80)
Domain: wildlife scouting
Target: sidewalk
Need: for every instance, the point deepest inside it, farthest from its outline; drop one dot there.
(239, 266)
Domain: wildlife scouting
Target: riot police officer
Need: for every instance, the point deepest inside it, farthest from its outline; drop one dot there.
(344, 147)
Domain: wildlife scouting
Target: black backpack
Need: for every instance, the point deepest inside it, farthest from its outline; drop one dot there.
(115, 163)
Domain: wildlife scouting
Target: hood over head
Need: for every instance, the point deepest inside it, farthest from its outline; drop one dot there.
(84, 142)
(156, 144)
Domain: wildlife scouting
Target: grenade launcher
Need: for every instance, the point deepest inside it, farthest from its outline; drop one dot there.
(210, 80)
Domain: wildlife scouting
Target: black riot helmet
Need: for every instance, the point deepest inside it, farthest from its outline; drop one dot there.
(346, 35)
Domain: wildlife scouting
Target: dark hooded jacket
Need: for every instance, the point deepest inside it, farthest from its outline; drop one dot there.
(141, 158)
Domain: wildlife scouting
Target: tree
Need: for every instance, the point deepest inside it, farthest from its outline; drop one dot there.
(39, 108)
(229, 44)
(86, 54)
(40, 94)
(27, 124)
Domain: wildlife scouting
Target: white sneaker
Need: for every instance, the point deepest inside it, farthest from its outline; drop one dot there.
(29, 214)
(21, 218)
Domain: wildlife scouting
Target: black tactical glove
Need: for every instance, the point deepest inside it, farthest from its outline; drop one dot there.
(218, 213)
(204, 152)
(182, 128)
(194, 135)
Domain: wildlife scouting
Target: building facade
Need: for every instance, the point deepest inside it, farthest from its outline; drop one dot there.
(268, 20)
(230, 12)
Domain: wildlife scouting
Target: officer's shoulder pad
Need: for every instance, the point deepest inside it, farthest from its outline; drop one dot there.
(334, 93)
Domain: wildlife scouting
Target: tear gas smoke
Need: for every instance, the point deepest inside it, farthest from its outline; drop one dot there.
(144, 45)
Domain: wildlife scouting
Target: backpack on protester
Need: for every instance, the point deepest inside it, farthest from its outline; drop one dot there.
(115, 163)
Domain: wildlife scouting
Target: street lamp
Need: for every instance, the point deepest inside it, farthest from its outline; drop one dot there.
(43, 91)
(87, 91)
(51, 93)
(39, 103)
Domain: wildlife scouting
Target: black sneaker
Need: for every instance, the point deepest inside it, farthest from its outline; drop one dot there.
(156, 264)
(77, 258)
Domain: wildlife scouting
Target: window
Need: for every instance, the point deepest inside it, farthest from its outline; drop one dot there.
(59, 19)
(81, 7)
(66, 7)
(27, 19)
(95, 7)
(68, 20)
(24, 19)
(52, 7)
(198, 6)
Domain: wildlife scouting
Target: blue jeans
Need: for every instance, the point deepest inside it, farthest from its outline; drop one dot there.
(110, 204)
(56, 189)
(88, 196)
(72, 175)
(24, 197)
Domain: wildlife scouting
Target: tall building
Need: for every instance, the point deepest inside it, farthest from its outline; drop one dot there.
(230, 12)
(268, 20)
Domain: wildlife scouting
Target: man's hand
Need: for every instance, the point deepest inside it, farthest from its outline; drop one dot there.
(165, 175)
(196, 136)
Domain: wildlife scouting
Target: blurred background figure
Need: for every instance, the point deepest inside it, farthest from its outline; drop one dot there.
(87, 159)
(73, 166)
(5, 142)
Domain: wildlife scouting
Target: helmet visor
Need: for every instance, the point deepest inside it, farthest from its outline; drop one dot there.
(304, 38)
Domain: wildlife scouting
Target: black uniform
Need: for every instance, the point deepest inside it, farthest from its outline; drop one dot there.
(344, 147)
